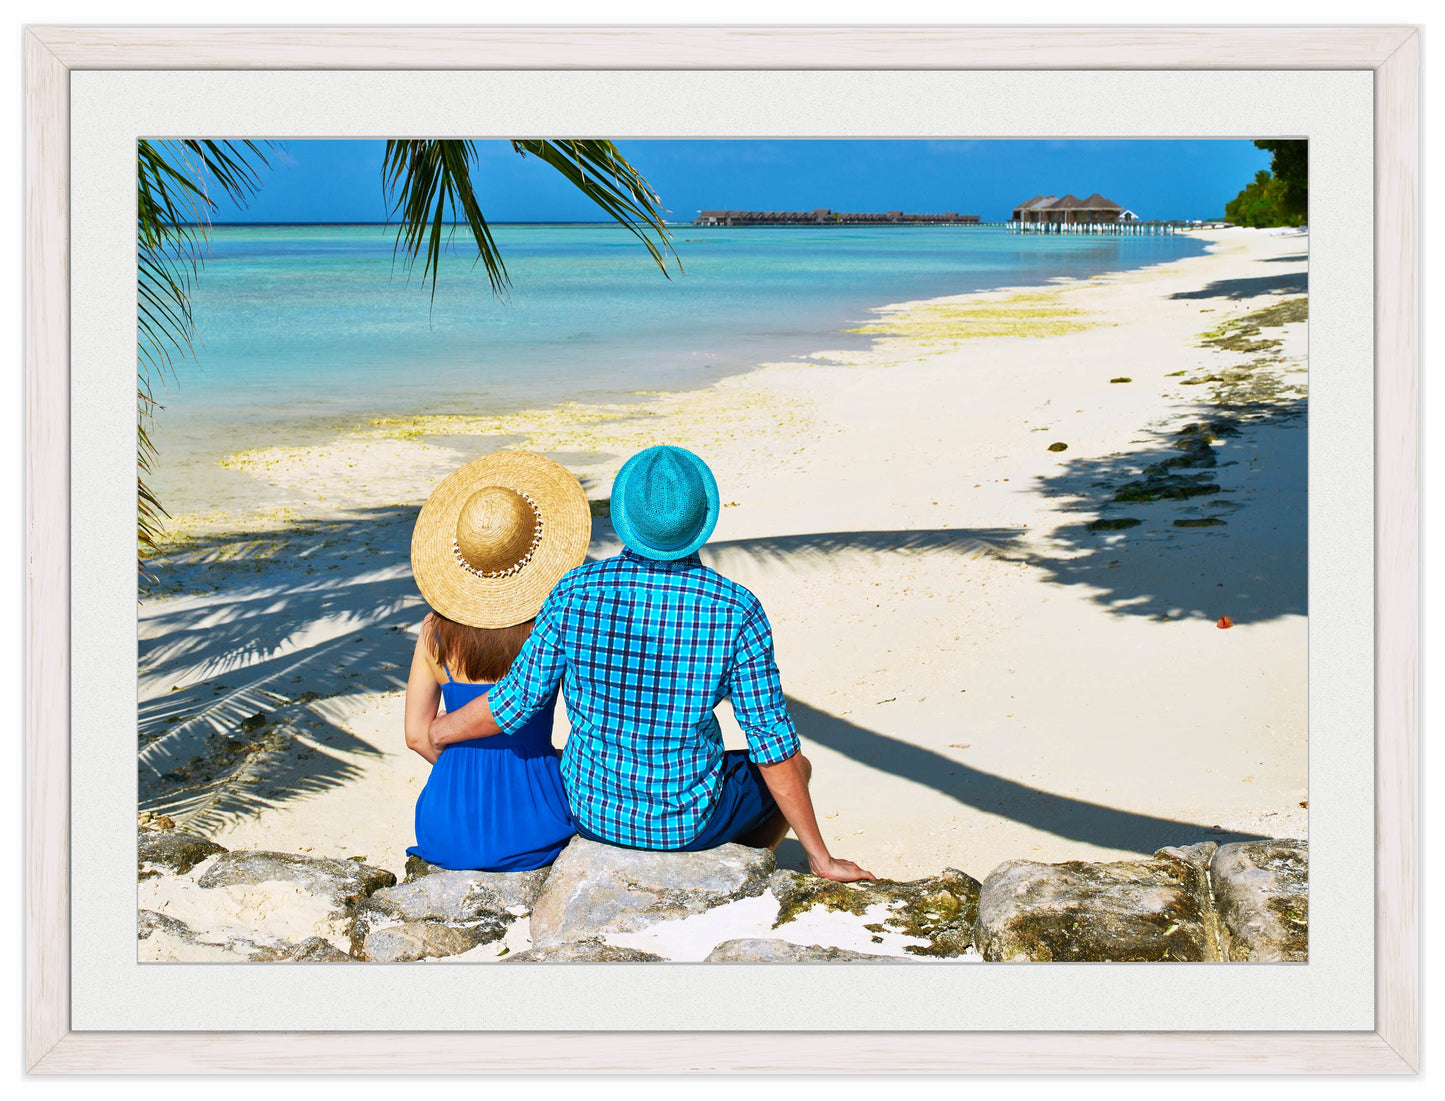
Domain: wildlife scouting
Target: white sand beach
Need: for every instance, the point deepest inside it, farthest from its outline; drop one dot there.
(976, 675)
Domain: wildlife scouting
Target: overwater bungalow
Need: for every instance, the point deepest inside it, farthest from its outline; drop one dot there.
(1095, 210)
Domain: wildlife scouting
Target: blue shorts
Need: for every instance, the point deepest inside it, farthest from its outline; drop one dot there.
(743, 804)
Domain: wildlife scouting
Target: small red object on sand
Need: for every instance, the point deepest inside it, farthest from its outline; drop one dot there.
(1224, 621)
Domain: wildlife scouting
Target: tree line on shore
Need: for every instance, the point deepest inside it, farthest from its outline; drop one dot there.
(1280, 196)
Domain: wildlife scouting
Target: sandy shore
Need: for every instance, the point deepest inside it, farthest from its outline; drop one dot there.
(977, 674)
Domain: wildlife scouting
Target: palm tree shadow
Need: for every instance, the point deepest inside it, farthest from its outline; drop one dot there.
(1239, 289)
(260, 677)
(1130, 554)
(816, 547)
(1060, 815)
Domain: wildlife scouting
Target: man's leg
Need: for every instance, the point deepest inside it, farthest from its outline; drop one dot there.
(771, 833)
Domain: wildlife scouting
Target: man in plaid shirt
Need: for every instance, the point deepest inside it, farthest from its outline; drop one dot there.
(650, 642)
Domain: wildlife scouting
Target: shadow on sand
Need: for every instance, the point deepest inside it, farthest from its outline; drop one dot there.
(245, 691)
(1060, 815)
(311, 614)
(1258, 572)
(1239, 289)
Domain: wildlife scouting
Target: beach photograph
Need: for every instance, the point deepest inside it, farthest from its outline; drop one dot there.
(729, 551)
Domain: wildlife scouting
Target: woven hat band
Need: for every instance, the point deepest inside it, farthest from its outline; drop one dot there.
(497, 530)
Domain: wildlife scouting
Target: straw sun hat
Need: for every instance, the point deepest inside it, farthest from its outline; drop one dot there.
(494, 538)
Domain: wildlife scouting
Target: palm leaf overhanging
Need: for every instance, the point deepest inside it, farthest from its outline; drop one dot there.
(174, 201)
(428, 183)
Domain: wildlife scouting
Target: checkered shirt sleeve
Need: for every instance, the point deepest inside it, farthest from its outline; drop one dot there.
(757, 694)
(535, 673)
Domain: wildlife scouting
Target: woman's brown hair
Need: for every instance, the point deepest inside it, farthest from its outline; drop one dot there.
(477, 653)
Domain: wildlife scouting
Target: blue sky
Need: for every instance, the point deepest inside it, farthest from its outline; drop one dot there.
(340, 181)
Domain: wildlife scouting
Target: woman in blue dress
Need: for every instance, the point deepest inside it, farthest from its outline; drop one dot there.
(488, 546)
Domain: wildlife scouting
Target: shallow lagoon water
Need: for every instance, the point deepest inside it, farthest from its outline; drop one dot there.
(304, 330)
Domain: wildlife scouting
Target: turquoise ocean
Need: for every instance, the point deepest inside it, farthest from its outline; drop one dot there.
(304, 330)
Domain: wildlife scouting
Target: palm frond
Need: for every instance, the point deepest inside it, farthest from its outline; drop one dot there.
(425, 183)
(600, 171)
(175, 196)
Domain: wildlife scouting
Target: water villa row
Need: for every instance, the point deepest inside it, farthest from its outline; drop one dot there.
(825, 217)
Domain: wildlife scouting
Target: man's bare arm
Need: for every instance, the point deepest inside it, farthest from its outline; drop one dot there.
(474, 720)
(788, 781)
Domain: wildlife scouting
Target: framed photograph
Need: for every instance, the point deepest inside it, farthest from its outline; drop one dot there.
(1053, 502)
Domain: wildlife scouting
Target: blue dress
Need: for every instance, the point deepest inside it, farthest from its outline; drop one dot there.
(494, 804)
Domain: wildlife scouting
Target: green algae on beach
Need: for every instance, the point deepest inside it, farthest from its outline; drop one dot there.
(941, 324)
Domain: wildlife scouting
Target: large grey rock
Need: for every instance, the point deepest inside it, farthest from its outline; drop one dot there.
(1156, 909)
(343, 883)
(941, 909)
(161, 851)
(594, 889)
(761, 950)
(461, 896)
(418, 940)
(1261, 890)
(591, 950)
(485, 900)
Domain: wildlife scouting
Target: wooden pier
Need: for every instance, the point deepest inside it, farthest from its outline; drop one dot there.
(1128, 229)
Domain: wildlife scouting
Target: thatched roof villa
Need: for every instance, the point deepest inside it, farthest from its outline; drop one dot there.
(1069, 210)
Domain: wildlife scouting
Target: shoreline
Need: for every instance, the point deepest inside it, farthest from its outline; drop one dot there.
(1018, 685)
(348, 383)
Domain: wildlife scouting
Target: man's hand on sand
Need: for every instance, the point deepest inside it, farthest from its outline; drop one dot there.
(844, 871)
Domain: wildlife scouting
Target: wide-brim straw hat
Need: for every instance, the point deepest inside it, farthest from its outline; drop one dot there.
(496, 536)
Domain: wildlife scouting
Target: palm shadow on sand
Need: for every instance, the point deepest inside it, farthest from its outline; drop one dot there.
(1237, 290)
(1257, 571)
(251, 719)
(251, 727)
(314, 613)
(1074, 819)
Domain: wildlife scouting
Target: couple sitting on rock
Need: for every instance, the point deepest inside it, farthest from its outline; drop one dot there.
(643, 647)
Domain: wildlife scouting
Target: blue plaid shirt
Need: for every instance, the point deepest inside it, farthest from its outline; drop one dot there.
(649, 648)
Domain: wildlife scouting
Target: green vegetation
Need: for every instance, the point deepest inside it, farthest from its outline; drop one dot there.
(428, 184)
(1279, 197)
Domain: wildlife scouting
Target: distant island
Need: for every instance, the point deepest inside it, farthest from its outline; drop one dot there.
(825, 217)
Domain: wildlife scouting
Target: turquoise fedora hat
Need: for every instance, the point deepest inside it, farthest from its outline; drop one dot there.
(664, 503)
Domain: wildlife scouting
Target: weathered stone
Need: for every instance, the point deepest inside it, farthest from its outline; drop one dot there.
(456, 898)
(444, 895)
(591, 950)
(762, 950)
(598, 889)
(941, 909)
(343, 883)
(169, 939)
(1261, 889)
(418, 940)
(171, 851)
(1154, 909)
(149, 922)
(317, 950)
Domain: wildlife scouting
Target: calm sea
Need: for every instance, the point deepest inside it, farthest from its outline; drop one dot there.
(304, 329)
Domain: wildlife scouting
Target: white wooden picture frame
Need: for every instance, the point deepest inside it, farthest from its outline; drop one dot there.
(52, 53)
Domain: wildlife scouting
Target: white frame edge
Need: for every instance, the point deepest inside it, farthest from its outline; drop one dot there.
(52, 52)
